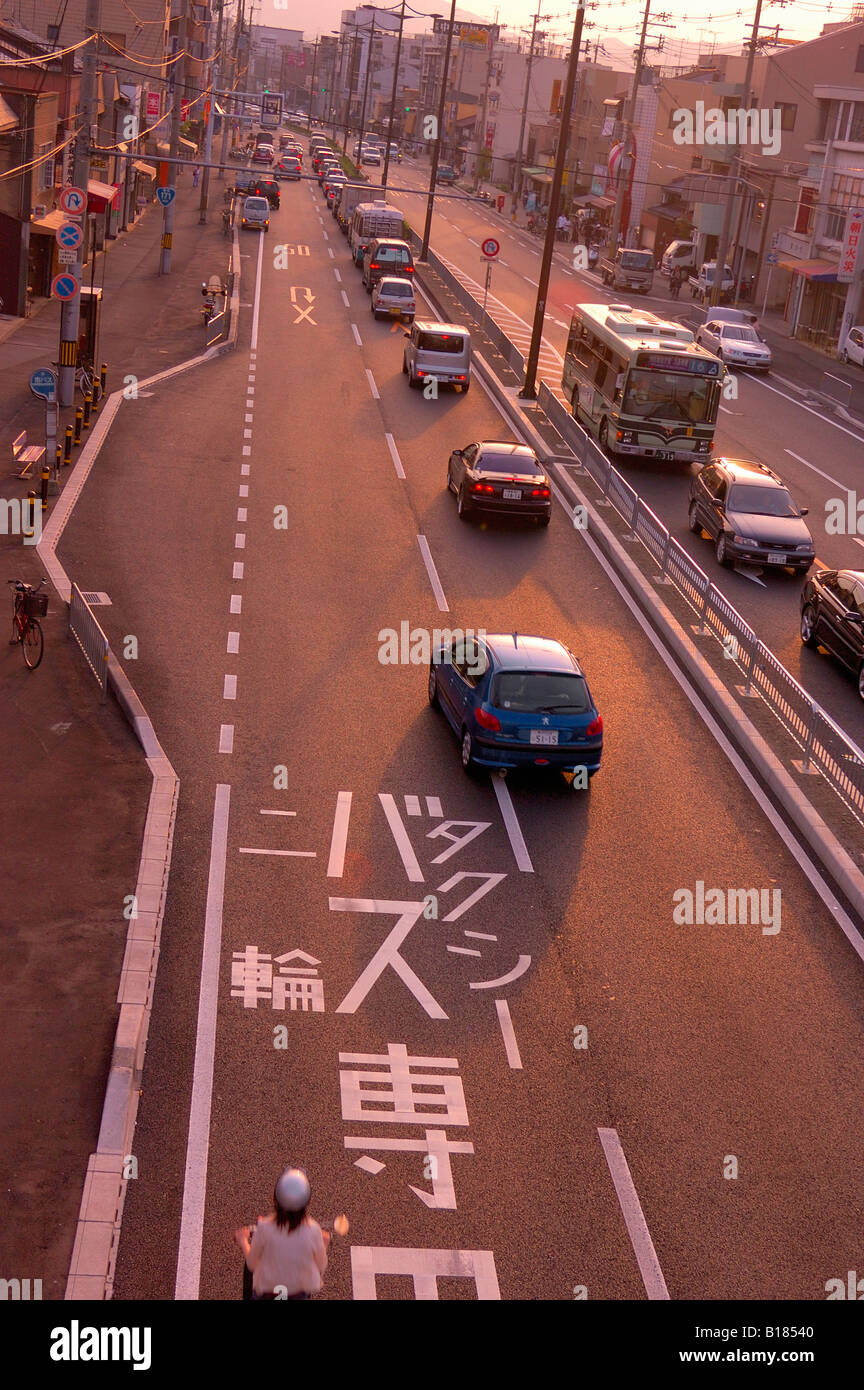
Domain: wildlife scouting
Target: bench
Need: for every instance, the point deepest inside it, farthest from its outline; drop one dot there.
(26, 456)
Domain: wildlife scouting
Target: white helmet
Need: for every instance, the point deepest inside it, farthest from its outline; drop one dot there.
(293, 1190)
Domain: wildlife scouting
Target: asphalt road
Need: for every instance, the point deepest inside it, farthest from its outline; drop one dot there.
(818, 455)
(705, 1044)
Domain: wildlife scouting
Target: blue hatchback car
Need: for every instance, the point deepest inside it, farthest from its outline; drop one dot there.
(517, 701)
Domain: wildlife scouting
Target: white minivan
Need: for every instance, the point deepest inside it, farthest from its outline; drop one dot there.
(439, 350)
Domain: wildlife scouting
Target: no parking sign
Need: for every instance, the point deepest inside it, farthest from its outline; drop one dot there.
(490, 248)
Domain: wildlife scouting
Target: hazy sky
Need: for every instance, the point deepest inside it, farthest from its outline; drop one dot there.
(691, 24)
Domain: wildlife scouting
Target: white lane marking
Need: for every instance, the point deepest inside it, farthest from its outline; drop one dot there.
(826, 420)
(634, 1219)
(256, 311)
(282, 853)
(247, 450)
(240, 541)
(504, 263)
(338, 275)
(238, 570)
(480, 935)
(276, 813)
(324, 234)
(512, 826)
(226, 738)
(858, 540)
(236, 604)
(433, 806)
(412, 806)
(229, 688)
(247, 434)
(241, 513)
(331, 253)
(358, 340)
(188, 1280)
(372, 387)
(464, 951)
(233, 646)
(437, 590)
(400, 835)
(243, 490)
(248, 417)
(339, 835)
(394, 454)
(511, 1047)
(816, 470)
(345, 300)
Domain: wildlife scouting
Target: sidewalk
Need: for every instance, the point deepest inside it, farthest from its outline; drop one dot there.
(75, 782)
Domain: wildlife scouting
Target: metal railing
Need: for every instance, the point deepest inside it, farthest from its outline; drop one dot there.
(825, 747)
(89, 636)
(474, 311)
(217, 327)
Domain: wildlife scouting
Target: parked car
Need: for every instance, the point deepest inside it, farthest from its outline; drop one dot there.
(503, 478)
(445, 174)
(386, 256)
(518, 701)
(256, 213)
(288, 167)
(736, 344)
(269, 189)
(853, 350)
(832, 616)
(439, 350)
(749, 514)
(393, 295)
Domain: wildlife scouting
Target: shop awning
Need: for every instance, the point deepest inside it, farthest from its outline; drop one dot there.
(100, 195)
(219, 111)
(48, 224)
(143, 168)
(8, 119)
(823, 271)
(534, 169)
(596, 201)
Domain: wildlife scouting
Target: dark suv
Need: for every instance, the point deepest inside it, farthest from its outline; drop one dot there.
(749, 514)
(832, 616)
(266, 188)
(386, 256)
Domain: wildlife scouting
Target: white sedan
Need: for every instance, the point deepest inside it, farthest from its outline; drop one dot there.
(736, 344)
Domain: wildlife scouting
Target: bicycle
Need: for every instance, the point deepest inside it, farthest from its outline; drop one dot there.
(28, 607)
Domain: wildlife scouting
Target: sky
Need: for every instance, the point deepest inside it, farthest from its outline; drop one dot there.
(690, 25)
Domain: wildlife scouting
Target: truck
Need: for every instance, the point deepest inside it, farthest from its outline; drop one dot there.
(702, 284)
(349, 197)
(628, 269)
(679, 255)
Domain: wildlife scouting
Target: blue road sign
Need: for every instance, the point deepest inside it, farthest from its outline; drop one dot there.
(44, 383)
(69, 235)
(165, 196)
(64, 286)
(771, 258)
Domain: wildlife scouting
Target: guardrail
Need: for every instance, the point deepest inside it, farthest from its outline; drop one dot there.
(89, 636)
(825, 747)
(474, 311)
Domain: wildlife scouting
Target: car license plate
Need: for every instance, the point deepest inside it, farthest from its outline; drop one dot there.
(514, 494)
(396, 313)
(544, 736)
(663, 454)
(777, 559)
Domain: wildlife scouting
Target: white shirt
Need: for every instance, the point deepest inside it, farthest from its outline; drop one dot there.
(281, 1258)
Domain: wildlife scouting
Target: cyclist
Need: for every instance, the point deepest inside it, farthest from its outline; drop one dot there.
(286, 1251)
(675, 281)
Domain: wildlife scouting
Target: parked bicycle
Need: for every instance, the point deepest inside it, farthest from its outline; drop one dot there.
(28, 607)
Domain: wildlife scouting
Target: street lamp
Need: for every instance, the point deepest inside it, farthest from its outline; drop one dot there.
(366, 83)
(437, 148)
(393, 97)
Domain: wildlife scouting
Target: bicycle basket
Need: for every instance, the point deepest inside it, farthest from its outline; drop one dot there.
(35, 605)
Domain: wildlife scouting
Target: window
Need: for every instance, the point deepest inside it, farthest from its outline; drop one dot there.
(859, 61)
(45, 169)
(804, 215)
(856, 125)
(788, 112)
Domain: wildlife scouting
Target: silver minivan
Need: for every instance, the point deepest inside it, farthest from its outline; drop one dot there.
(256, 213)
(439, 350)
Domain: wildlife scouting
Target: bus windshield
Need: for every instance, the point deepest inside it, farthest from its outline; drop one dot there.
(653, 395)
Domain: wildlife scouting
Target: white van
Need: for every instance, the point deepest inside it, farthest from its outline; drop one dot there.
(681, 254)
(372, 220)
(440, 350)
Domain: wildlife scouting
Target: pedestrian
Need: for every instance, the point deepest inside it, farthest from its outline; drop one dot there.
(675, 281)
(196, 174)
(563, 227)
(286, 1251)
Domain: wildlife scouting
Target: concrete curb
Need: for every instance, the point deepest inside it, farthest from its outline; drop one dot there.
(840, 868)
(100, 1216)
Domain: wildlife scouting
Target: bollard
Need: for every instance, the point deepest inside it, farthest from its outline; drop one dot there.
(46, 474)
(58, 460)
(30, 514)
(67, 449)
(102, 378)
(79, 420)
(88, 405)
(94, 392)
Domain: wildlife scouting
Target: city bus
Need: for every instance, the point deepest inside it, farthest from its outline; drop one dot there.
(641, 384)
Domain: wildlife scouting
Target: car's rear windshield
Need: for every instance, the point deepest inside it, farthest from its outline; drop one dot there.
(441, 342)
(540, 692)
(396, 287)
(509, 463)
(761, 501)
(256, 204)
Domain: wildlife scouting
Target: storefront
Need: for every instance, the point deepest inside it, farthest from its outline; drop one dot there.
(100, 199)
(42, 255)
(814, 302)
(142, 183)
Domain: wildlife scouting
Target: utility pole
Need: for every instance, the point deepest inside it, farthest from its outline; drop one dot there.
(723, 244)
(210, 108)
(481, 137)
(353, 68)
(625, 161)
(393, 96)
(516, 183)
(368, 71)
(70, 310)
(312, 83)
(230, 66)
(529, 386)
(436, 148)
(179, 72)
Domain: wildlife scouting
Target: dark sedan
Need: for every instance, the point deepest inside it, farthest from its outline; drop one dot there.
(832, 616)
(499, 477)
(749, 514)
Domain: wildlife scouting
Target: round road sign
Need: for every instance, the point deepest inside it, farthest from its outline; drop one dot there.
(69, 236)
(73, 200)
(490, 247)
(64, 286)
(44, 383)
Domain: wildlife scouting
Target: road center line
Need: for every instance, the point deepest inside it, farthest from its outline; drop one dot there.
(358, 340)
(376, 395)
(394, 454)
(842, 486)
(437, 590)
(257, 300)
(345, 300)
(826, 420)
(188, 1280)
(512, 826)
(634, 1219)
